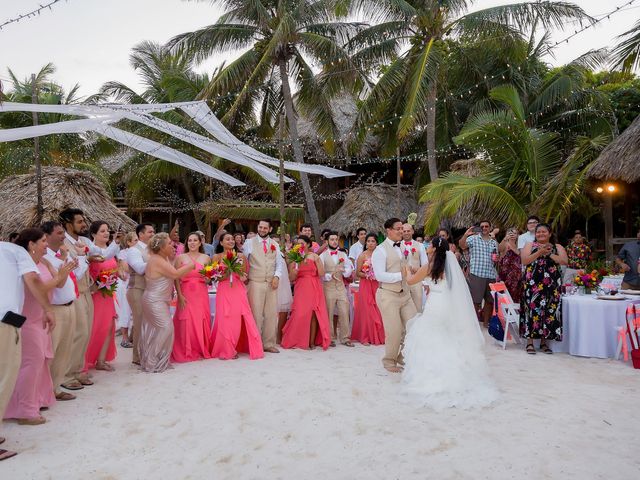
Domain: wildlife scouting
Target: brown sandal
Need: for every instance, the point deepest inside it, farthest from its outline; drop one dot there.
(32, 421)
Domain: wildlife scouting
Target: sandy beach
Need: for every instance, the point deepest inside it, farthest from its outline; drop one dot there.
(336, 414)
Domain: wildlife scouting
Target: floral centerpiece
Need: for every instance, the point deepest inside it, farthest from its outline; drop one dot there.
(297, 254)
(107, 282)
(233, 264)
(587, 280)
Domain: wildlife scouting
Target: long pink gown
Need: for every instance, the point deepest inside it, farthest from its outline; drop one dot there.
(192, 324)
(234, 329)
(104, 323)
(34, 387)
(367, 320)
(308, 298)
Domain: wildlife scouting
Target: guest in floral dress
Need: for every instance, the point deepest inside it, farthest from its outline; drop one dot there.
(540, 304)
(509, 265)
(578, 255)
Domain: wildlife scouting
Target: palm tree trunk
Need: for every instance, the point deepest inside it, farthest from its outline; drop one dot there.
(297, 150)
(198, 216)
(431, 132)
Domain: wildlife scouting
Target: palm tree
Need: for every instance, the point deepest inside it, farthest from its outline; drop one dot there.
(415, 38)
(282, 40)
(626, 55)
(522, 168)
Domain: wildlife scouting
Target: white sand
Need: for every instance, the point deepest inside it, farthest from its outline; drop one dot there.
(336, 415)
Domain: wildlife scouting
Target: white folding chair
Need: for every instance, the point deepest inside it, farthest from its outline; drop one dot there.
(623, 331)
(508, 312)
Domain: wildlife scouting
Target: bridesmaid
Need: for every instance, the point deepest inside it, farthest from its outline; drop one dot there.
(367, 323)
(308, 324)
(102, 346)
(192, 320)
(234, 329)
(34, 388)
(156, 334)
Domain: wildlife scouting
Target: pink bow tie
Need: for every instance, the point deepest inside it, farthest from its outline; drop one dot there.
(333, 253)
(408, 243)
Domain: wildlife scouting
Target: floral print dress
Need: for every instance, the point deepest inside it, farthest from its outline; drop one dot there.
(510, 272)
(540, 303)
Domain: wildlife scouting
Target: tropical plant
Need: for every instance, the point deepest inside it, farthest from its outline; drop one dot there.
(416, 37)
(626, 54)
(522, 168)
(282, 41)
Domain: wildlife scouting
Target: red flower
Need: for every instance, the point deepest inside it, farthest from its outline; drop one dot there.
(273, 248)
(86, 249)
(341, 260)
(406, 253)
(413, 250)
(230, 255)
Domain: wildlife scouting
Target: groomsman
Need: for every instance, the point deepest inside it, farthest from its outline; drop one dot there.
(337, 266)
(416, 256)
(75, 227)
(63, 303)
(18, 270)
(357, 248)
(266, 266)
(393, 296)
(137, 257)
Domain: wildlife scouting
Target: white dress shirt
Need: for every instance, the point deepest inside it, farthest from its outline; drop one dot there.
(134, 258)
(355, 251)
(327, 257)
(83, 266)
(111, 251)
(526, 237)
(15, 262)
(379, 263)
(248, 246)
(66, 293)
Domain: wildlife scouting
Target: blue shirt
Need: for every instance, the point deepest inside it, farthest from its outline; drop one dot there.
(629, 254)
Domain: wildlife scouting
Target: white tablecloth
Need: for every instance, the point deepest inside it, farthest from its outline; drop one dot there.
(590, 326)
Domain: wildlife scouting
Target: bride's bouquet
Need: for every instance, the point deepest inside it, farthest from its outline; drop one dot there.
(107, 282)
(297, 254)
(213, 271)
(233, 264)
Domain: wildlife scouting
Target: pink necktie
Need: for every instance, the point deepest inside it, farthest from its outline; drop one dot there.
(264, 246)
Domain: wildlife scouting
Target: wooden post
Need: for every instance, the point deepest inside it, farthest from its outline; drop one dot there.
(398, 180)
(36, 153)
(608, 225)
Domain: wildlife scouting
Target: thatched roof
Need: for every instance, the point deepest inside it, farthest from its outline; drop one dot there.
(369, 207)
(620, 160)
(61, 188)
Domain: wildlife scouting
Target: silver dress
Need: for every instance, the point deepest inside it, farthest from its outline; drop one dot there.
(156, 336)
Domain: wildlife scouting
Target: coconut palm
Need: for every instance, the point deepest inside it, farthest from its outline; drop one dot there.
(414, 37)
(626, 55)
(282, 40)
(522, 167)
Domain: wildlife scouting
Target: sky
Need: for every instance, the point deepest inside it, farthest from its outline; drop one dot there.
(89, 41)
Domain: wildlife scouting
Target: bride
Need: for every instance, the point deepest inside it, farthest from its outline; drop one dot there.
(443, 350)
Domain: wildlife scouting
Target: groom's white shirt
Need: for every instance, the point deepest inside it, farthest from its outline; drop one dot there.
(379, 262)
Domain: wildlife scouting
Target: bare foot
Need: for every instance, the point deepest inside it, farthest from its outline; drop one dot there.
(394, 369)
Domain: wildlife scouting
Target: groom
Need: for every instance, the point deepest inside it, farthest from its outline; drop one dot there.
(393, 296)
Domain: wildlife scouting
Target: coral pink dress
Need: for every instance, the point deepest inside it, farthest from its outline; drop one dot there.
(192, 324)
(308, 298)
(234, 329)
(367, 320)
(34, 387)
(104, 319)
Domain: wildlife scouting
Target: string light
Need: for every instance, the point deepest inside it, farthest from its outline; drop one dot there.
(27, 15)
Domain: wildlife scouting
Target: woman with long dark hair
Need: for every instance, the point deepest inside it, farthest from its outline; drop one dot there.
(443, 349)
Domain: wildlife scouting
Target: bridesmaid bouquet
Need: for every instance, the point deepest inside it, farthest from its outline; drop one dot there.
(297, 254)
(233, 264)
(213, 271)
(107, 282)
(367, 269)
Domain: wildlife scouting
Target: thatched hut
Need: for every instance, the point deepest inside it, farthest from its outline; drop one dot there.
(61, 188)
(369, 207)
(619, 163)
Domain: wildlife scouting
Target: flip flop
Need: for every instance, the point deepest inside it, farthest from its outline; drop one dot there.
(5, 454)
(64, 396)
(2, 440)
(74, 385)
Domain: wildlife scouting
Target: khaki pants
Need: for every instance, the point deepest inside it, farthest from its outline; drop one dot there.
(84, 322)
(396, 310)
(134, 297)
(10, 358)
(338, 303)
(416, 295)
(62, 341)
(264, 305)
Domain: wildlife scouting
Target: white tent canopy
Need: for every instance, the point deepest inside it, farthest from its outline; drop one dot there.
(100, 119)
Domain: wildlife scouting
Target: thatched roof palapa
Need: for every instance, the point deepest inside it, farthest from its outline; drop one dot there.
(369, 207)
(620, 160)
(61, 188)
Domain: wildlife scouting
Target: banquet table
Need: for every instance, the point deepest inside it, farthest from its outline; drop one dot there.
(590, 325)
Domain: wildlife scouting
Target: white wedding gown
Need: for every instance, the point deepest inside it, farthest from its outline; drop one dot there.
(443, 352)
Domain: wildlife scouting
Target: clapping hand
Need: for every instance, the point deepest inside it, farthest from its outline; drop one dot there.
(547, 249)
